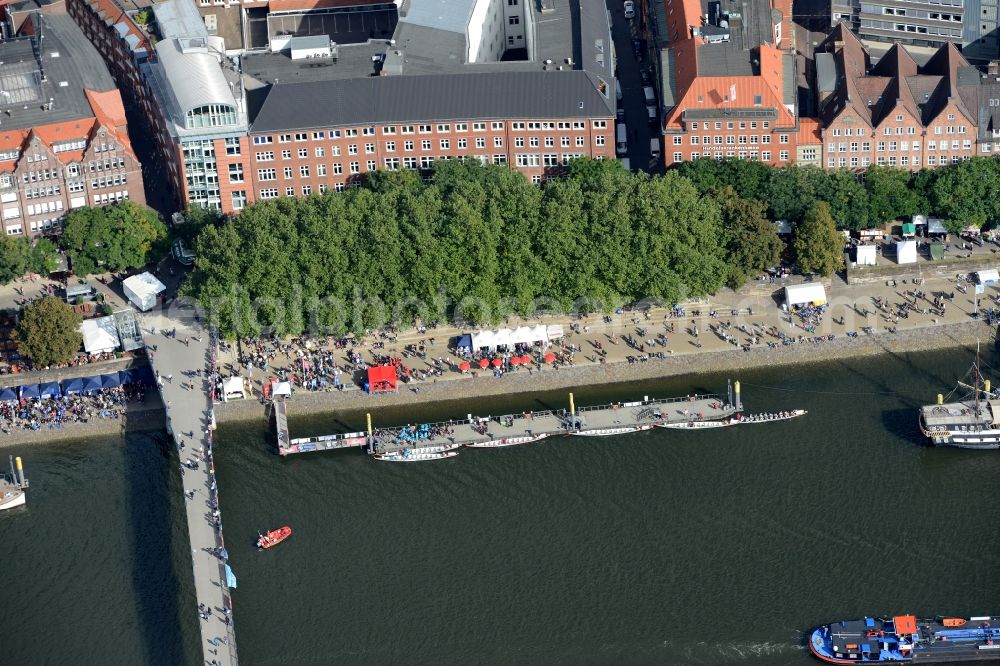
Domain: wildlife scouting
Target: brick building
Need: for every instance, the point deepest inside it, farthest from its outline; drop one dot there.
(897, 113)
(63, 138)
(729, 85)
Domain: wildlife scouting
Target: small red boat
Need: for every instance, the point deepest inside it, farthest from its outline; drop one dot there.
(274, 537)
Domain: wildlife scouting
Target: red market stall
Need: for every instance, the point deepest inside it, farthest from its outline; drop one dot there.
(382, 378)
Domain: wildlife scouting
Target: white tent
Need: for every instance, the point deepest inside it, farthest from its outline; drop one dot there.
(866, 255)
(554, 331)
(906, 252)
(935, 225)
(521, 335)
(142, 290)
(811, 293)
(99, 335)
(232, 389)
(503, 337)
(281, 388)
(539, 333)
(987, 277)
(482, 339)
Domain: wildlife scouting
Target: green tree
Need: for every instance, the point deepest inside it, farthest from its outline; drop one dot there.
(44, 257)
(113, 238)
(818, 246)
(48, 332)
(890, 195)
(15, 258)
(750, 239)
(846, 196)
(962, 193)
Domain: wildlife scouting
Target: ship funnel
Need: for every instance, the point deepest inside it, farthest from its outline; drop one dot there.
(940, 399)
(20, 471)
(572, 407)
(737, 403)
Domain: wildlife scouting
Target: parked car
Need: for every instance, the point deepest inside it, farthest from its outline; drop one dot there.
(644, 76)
(637, 49)
(629, 9)
(620, 114)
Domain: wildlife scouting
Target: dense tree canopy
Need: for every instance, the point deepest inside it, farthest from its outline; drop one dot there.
(18, 255)
(959, 193)
(476, 243)
(819, 248)
(112, 238)
(48, 332)
(751, 240)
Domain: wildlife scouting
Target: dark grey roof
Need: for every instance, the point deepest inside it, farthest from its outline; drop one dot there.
(826, 72)
(750, 24)
(70, 64)
(789, 88)
(400, 99)
(668, 85)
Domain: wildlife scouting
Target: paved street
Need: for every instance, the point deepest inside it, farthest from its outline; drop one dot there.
(636, 119)
(177, 359)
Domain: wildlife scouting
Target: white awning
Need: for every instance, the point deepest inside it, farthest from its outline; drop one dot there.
(935, 226)
(483, 339)
(805, 294)
(554, 331)
(906, 252)
(99, 335)
(281, 388)
(987, 277)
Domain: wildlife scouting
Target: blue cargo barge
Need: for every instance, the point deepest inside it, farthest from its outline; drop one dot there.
(907, 638)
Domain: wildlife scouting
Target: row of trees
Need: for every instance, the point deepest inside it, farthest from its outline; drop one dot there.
(96, 240)
(476, 242)
(960, 194)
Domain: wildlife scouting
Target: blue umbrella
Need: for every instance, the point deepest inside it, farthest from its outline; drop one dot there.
(109, 380)
(72, 386)
(49, 390)
(91, 384)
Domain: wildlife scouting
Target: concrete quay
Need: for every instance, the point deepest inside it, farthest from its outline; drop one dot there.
(183, 358)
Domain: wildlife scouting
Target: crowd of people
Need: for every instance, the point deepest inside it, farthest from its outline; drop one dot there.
(52, 413)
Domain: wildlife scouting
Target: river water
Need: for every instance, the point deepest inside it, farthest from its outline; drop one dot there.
(665, 547)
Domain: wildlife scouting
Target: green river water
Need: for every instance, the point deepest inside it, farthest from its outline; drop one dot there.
(665, 547)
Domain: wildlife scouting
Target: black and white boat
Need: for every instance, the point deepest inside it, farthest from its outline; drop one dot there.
(971, 423)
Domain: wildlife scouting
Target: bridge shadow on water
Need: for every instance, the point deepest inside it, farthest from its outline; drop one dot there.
(153, 525)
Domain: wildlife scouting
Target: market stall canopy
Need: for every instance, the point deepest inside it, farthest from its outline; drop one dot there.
(29, 391)
(866, 255)
(72, 386)
(110, 380)
(464, 341)
(8, 395)
(99, 335)
(937, 251)
(49, 390)
(483, 340)
(232, 389)
(909, 229)
(935, 225)
(381, 378)
(811, 293)
(554, 331)
(503, 337)
(91, 384)
(906, 252)
(987, 277)
(141, 375)
(281, 388)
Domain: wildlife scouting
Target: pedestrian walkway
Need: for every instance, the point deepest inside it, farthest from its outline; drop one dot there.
(184, 361)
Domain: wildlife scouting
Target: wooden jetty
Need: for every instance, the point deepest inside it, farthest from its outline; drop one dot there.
(514, 429)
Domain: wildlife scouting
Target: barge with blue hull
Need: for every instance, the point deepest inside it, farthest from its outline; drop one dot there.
(908, 639)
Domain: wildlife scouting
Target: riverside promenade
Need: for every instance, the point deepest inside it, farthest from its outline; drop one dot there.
(177, 359)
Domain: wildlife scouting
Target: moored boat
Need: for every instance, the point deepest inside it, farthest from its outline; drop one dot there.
(607, 432)
(12, 489)
(273, 537)
(508, 441)
(770, 417)
(906, 638)
(414, 455)
(699, 425)
(971, 423)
